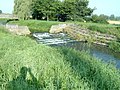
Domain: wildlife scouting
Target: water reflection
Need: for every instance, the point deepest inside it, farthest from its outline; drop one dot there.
(100, 52)
(3, 22)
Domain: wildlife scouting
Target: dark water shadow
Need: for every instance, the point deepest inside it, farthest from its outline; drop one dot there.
(21, 82)
(87, 71)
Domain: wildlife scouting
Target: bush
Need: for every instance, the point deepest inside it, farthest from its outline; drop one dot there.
(80, 20)
(98, 29)
(115, 46)
(99, 19)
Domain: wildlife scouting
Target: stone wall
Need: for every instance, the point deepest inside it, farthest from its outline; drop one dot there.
(8, 16)
(82, 34)
(18, 30)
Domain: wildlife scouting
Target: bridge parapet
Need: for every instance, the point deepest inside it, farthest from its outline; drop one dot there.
(8, 16)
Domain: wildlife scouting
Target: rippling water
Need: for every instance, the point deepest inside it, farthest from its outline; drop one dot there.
(100, 52)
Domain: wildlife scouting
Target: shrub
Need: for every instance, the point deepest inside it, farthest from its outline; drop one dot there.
(115, 46)
(96, 28)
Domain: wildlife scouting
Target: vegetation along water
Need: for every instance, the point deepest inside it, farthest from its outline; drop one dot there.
(31, 66)
(27, 65)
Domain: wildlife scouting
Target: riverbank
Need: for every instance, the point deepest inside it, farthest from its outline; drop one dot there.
(36, 25)
(26, 64)
(99, 30)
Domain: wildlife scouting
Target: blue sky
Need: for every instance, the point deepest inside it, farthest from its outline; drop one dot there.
(6, 6)
(107, 7)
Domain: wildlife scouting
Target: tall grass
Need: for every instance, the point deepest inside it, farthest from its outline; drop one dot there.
(102, 28)
(25, 65)
(44, 26)
(98, 75)
(115, 46)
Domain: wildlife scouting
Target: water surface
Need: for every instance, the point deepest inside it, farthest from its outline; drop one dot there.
(98, 51)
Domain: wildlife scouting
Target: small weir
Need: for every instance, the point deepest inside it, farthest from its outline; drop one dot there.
(61, 39)
(52, 39)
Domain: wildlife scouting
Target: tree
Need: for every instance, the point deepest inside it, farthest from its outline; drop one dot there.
(0, 11)
(118, 18)
(112, 17)
(50, 8)
(81, 9)
(22, 8)
(44, 8)
(100, 19)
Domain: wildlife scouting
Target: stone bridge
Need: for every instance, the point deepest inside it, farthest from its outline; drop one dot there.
(9, 16)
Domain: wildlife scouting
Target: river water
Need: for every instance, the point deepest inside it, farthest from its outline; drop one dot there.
(98, 51)
(3, 22)
(61, 39)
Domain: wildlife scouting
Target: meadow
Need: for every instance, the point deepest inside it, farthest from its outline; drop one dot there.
(26, 65)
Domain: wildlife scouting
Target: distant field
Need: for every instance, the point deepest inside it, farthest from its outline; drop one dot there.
(114, 22)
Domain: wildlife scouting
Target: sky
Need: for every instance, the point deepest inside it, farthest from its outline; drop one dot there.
(106, 7)
(6, 6)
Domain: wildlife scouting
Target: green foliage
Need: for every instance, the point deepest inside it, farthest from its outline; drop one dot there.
(27, 65)
(3, 20)
(98, 29)
(115, 46)
(112, 17)
(36, 25)
(44, 8)
(0, 11)
(81, 9)
(49, 9)
(79, 19)
(103, 28)
(22, 8)
(99, 19)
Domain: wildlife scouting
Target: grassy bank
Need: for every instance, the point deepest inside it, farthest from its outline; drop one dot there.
(105, 29)
(3, 20)
(25, 65)
(102, 28)
(36, 25)
(44, 26)
(115, 46)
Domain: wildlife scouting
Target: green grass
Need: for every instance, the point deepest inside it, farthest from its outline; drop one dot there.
(26, 65)
(36, 25)
(44, 26)
(115, 46)
(102, 28)
(3, 20)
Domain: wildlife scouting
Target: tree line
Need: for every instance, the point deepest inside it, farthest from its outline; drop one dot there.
(103, 18)
(52, 9)
(61, 10)
(0, 11)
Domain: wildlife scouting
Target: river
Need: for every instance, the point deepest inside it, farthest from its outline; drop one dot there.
(98, 51)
